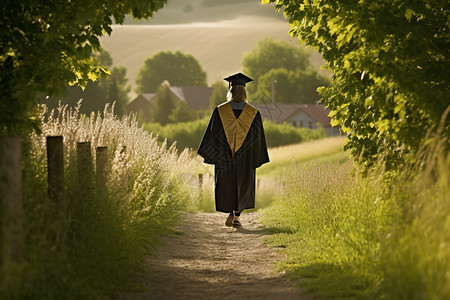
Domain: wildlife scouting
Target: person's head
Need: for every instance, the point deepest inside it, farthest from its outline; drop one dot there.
(237, 93)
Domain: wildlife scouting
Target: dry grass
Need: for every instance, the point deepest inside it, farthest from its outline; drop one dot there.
(91, 241)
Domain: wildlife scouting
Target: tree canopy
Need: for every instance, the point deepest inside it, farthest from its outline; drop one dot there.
(164, 105)
(218, 95)
(181, 113)
(96, 94)
(389, 61)
(285, 65)
(46, 44)
(178, 68)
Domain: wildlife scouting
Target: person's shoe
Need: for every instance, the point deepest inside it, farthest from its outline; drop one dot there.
(236, 223)
(229, 221)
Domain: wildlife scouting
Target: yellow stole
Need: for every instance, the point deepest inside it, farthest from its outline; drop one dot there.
(236, 129)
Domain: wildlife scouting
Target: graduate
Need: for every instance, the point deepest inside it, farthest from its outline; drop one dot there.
(235, 144)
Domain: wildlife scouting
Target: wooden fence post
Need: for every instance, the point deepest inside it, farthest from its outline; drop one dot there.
(11, 209)
(55, 162)
(85, 166)
(200, 180)
(101, 168)
(125, 178)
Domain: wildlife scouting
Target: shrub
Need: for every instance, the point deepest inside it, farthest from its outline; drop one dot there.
(189, 134)
(284, 134)
(184, 134)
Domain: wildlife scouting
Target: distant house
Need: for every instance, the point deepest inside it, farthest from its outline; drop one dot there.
(298, 115)
(142, 105)
(196, 98)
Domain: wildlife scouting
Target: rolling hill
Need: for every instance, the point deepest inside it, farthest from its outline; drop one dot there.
(217, 45)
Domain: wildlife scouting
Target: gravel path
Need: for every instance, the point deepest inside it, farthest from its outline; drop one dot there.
(211, 261)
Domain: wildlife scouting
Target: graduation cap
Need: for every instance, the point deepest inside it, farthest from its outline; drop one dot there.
(238, 79)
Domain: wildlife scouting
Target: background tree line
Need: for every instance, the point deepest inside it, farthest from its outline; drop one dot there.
(269, 61)
(97, 94)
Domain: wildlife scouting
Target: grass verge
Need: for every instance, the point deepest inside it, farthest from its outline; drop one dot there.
(384, 235)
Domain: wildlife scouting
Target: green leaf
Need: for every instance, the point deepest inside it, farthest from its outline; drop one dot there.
(408, 14)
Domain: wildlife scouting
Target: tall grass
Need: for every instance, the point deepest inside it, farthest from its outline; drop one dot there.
(384, 235)
(271, 177)
(90, 243)
(322, 150)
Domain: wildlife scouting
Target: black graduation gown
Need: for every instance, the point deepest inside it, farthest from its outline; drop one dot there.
(234, 173)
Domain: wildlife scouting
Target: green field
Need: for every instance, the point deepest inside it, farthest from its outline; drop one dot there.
(272, 176)
(325, 150)
(217, 36)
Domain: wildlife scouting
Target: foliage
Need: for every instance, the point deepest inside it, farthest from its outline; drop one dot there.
(291, 86)
(294, 78)
(178, 68)
(45, 45)
(184, 134)
(118, 89)
(284, 134)
(112, 89)
(219, 94)
(383, 235)
(181, 113)
(88, 245)
(389, 62)
(163, 105)
(203, 199)
(189, 134)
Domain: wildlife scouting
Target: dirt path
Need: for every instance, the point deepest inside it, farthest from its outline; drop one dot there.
(211, 261)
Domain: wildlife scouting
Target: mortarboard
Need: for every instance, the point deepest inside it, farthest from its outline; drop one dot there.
(238, 79)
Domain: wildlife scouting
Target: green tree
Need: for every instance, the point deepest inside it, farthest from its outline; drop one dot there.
(118, 89)
(218, 95)
(178, 68)
(291, 86)
(389, 61)
(47, 44)
(113, 88)
(96, 94)
(164, 105)
(288, 66)
(181, 113)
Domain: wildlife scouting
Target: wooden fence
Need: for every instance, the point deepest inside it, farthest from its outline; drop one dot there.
(12, 239)
(11, 211)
